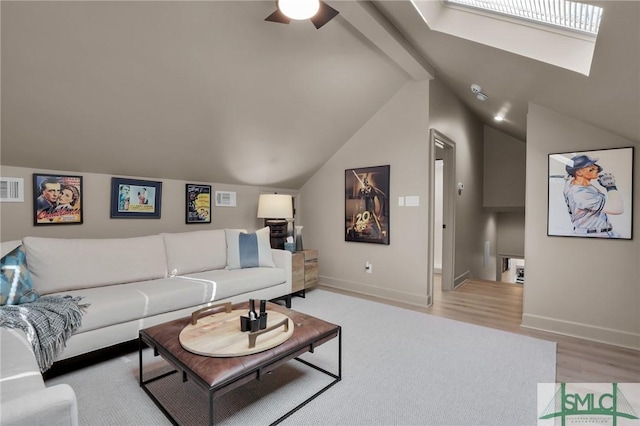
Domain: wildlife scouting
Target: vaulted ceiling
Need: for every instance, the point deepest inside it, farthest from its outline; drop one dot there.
(609, 97)
(209, 91)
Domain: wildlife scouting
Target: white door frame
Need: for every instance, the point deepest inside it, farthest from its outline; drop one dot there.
(437, 139)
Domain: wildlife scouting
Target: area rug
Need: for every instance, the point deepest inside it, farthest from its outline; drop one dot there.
(400, 367)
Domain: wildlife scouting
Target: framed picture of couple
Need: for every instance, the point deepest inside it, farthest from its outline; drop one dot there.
(57, 199)
(591, 194)
(133, 198)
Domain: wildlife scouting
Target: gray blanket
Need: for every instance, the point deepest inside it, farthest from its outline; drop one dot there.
(48, 323)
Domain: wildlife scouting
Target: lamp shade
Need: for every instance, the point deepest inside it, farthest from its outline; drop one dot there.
(275, 206)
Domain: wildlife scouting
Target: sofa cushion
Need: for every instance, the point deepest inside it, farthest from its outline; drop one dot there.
(249, 250)
(239, 281)
(15, 280)
(195, 251)
(122, 303)
(61, 264)
(19, 371)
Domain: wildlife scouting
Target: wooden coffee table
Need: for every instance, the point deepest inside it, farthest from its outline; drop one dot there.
(219, 375)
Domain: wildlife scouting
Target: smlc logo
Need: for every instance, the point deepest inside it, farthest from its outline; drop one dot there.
(586, 405)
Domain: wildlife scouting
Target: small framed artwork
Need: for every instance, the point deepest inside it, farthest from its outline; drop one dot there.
(367, 205)
(57, 199)
(133, 198)
(591, 194)
(198, 208)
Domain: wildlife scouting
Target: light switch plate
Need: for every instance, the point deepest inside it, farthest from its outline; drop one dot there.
(412, 200)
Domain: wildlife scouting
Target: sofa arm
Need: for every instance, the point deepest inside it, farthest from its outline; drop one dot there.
(55, 405)
(282, 259)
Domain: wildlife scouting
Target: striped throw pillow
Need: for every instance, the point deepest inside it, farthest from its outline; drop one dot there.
(248, 250)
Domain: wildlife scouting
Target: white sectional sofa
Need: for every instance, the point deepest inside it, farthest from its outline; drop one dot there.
(134, 283)
(24, 399)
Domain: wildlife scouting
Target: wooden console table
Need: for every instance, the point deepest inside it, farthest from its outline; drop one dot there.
(304, 268)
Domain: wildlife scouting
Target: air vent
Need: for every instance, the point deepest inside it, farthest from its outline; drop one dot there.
(11, 190)
(225, 199)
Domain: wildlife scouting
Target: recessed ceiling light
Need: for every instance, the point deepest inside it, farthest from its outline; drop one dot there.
(498, 118)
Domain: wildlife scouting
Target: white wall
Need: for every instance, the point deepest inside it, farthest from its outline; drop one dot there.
(17, 218)
(589, 288)
(397, 135)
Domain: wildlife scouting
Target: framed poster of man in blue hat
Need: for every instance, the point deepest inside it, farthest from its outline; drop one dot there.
(591, 194)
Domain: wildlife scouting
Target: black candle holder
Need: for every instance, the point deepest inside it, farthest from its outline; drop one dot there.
(257, 323)
(248, 324)
(262, 321)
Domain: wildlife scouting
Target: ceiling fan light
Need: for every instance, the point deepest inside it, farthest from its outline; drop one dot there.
(299, 9)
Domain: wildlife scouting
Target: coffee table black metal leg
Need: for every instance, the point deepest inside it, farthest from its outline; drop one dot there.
(143, 384)
(336, 377)
(140, 360)
(210, 408)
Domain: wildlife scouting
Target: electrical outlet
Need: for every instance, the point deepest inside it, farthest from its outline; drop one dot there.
(368, 267)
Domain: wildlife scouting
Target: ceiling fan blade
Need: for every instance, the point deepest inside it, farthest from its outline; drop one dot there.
(324, 15)
(279, 17)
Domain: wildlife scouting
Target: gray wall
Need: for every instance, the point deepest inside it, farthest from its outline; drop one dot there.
(588, 288)
(504, 171)
(474, 225)
(17, 218)
(511, 234)
(504, 189)
(397, 135)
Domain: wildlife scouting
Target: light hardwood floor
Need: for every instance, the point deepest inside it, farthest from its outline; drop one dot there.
(499, 305)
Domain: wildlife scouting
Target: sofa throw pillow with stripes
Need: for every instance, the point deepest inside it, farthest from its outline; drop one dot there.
(248, 250)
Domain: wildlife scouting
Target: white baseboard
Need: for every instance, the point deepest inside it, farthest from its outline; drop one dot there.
(609, 336)
(414, 299)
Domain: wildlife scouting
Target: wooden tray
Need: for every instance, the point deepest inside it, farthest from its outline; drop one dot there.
(219, 335)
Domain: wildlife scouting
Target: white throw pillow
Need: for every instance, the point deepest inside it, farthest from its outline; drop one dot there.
(248, 250)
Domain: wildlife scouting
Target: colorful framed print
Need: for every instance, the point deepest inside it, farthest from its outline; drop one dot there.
(591, 194)
(133, 198)
(57, 199)
(198, 200)
(367, 204)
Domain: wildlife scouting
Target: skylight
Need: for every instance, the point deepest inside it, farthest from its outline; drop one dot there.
(566, 14)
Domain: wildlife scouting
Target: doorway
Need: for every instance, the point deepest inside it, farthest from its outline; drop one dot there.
(510, 269)
(441, 149)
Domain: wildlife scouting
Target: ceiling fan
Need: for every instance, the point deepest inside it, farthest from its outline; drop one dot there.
(315, 10)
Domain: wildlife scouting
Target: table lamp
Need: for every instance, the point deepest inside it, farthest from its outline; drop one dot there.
(275, 209)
